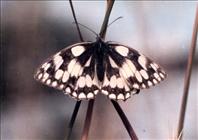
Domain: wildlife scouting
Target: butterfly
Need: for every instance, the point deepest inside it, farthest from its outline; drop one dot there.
(86, 69)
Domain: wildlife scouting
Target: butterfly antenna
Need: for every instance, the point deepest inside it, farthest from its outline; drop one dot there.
(86, 28)
(115, 20)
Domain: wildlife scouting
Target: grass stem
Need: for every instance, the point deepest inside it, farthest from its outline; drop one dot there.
(187, 78)
(88, 120)
(125, 121)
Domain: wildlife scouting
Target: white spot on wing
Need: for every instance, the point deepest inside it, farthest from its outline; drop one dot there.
(120, 83)
(126, 70)
(45, 76)
(136, 86)
(144, 74)
(61, 86)
(74, 94)
(120, 96)
(121, 72)
(112, 62)
(58, 74)
(65, 77)
(45, 66)
(88, 62)
(48, 81)
(150, 83)
(40, 75)
(156, 75)
(122, 50)
(105, 81)
(95, 81)
(153, 66)
(105, 92)
(113, 81)
(71, 65)
(159, 79)
(58, 60)
(143, 86)
(112, 96)
(138, 76)
(54, 84)
(131, 65)
(142, 61)
(161, 75)
(81, 82)
(90, 95)
(81, 96)
(126, 87)
(127, 95)
(96, 92)
(88, 81)
(76, 69)
(134, 91)
(68, 90)
(77, 50)
(155, 81)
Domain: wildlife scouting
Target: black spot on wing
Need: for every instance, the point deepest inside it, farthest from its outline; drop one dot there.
(115, 56)
(83, 58)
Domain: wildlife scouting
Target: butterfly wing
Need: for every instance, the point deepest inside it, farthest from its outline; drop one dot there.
(128, 71)
(72, 70)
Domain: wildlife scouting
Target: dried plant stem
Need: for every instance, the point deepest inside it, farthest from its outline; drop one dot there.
(88, 120)
(125, 121)
(75, 20)
(106, 18)
(78, 103)
(187, 78)
(73, 118)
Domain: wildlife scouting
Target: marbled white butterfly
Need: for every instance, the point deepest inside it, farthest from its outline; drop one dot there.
(85, 69)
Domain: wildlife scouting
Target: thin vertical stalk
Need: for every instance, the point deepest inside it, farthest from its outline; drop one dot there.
(88, 120)
(106, 19)
(78, 103)
(75, 20)
(187, 78)
(125, 121)
(73, 118)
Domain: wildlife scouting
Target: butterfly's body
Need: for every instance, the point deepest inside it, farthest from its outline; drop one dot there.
(100, 52)
(85, 69)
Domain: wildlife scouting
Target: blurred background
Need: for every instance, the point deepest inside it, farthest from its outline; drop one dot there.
(33, 31)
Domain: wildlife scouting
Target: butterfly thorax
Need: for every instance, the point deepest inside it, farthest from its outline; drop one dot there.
(101, 49)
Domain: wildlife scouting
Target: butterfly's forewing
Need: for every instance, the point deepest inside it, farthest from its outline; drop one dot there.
(71, 70)
(128, 71)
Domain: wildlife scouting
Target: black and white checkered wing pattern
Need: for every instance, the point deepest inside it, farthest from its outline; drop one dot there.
(128, 71)
(71, 70)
